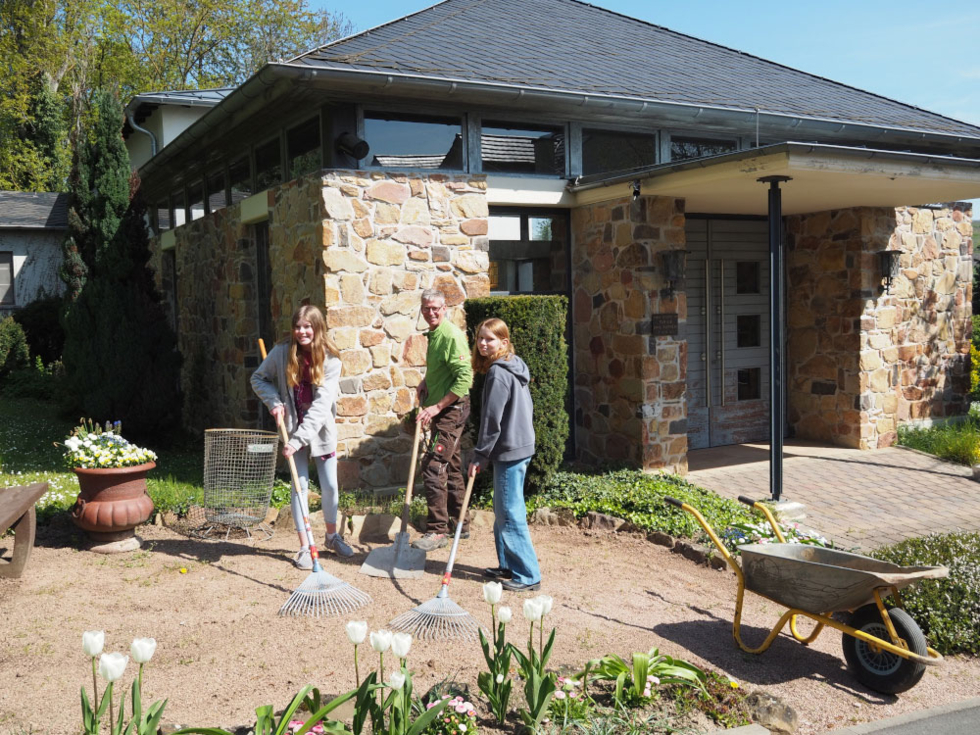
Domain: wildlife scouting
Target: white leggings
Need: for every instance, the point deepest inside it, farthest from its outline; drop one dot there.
(326, 470)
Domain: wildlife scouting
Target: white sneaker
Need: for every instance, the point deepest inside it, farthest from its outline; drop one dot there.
(303, 560)
(337, 544)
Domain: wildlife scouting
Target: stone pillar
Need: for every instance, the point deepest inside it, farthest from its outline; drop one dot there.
(861, 360)
(629, 386)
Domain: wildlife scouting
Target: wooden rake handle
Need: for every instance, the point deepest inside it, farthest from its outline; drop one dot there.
(295, 475)
(411, 476)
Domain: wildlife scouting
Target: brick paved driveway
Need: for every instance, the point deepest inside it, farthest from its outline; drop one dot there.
(859, 498)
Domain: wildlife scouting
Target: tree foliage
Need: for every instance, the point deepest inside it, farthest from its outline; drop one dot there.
(54, 53)
(120, 352)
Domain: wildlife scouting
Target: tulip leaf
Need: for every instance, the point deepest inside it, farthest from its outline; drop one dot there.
(547, 649)
(426, 718)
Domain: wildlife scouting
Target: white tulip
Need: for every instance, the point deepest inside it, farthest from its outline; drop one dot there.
(112, 665)
(532, 610)
(93, 642)
(546, 603)
(357, 631)
(381, 640)
(504, 615)
(492, 592)
(142, 649)
(397, 680)
(500, 678)
(401, 643)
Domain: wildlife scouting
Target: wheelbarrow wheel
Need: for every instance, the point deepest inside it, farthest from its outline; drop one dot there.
(880, 670)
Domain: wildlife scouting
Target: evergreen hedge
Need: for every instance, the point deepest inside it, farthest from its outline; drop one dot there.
(41, 321)
(537, 331)
(13, 346)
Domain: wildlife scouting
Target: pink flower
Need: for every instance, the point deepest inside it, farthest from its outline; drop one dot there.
(317, 729)
(559, 694)
(295, 725)
(460, 709)
(573, 695)
(471, 713)
(430, 705)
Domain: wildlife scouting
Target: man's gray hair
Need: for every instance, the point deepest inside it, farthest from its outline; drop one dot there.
(433, 294)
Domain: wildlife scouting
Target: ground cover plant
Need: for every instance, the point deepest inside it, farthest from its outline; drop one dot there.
(638, 498)
(947, 610)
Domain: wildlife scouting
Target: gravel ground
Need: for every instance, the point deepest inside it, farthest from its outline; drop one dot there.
(223, 650)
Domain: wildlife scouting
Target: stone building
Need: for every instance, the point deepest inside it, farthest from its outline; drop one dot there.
(535, 160)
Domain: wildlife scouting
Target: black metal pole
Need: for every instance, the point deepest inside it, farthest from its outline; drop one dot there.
(777, 413)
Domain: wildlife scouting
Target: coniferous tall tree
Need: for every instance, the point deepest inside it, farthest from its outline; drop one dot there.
(120, 357)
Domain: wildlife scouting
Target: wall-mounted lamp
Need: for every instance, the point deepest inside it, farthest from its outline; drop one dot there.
(888, 264)
(352, 145)
(636, 189)
(674, 267)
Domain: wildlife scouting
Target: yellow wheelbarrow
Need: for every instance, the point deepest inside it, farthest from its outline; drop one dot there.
(884, 648)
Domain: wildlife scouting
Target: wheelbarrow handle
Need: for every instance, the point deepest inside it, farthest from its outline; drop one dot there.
(746, 499)
(673, 501)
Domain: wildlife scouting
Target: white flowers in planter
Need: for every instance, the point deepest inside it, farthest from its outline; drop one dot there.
(92, 447)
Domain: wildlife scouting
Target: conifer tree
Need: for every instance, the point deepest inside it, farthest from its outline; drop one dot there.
(120, 357)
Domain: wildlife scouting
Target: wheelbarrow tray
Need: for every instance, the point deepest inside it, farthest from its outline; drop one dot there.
(820, 580)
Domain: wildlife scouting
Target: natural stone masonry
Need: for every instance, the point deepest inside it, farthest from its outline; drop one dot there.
(629, 386)
(863, 360)
(363, 246)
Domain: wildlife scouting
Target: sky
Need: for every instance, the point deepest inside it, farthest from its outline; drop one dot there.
(903, 49)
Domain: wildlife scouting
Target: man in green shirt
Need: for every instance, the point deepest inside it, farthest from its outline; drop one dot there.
(444, 397)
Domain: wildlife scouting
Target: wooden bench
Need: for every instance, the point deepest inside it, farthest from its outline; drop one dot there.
(17, 512)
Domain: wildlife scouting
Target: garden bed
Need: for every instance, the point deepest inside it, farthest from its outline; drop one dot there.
(223, 651)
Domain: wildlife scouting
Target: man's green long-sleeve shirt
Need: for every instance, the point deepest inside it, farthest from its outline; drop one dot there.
(447, 362)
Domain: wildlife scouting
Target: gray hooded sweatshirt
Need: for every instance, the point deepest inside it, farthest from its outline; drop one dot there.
(506, 429)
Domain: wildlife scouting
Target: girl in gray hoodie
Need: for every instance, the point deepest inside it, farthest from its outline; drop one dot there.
(299, 382)
(506, 438)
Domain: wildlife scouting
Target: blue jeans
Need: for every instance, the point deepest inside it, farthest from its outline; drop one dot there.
(510, 532)
(326, 471)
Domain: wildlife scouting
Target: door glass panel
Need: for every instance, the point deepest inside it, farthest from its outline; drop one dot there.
(749, 330)
(747, 276)
(749, 384)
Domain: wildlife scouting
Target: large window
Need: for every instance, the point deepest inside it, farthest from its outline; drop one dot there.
(7, 279)
(240, 173)
(216, 191)
(303, 148)
(524, 149)
(413, 141)
(682, 148)
(196, 192)
(163, 215)
(528, 251)
(268, 165)
(604, 151)
(178, 201)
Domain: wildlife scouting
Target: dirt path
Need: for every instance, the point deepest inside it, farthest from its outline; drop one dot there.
(223, 650)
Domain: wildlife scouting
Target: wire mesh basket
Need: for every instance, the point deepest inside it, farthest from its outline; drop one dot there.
(239, 471)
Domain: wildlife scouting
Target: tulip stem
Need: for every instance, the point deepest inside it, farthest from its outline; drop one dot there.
(111, 712)
(541, 643)
(381, 666)
(357, 673)
(141, 682)
(95, 685)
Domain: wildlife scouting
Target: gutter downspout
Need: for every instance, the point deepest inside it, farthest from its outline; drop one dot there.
(134, 126)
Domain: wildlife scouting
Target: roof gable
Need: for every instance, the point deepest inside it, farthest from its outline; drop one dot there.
(571, 46)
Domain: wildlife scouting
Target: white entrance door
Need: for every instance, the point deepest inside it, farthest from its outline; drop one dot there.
(728, 332)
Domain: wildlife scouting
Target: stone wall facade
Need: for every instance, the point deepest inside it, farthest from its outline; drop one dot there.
(361, 245)
(863, 360)
(630, 400)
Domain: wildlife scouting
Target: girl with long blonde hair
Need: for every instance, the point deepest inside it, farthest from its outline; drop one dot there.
(299, 382)
(506, 439)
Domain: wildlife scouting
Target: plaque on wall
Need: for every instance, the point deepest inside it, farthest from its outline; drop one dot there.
(663, 325)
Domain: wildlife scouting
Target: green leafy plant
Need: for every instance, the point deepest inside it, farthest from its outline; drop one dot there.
(947, 610)
(955, 441)
(495, 683)
(457, 715)
(539, 684)
(570, 704)
(635, 682)
(761, 532)
(14, 352)
(721, 699)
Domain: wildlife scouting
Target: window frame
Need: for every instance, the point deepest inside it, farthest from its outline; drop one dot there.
(12, 300)
(395, 110)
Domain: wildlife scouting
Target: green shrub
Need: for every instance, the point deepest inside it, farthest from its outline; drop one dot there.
(41, 321)
(35, 381)
(537, 331)
(14, 353)
(639, 498)
(947, 610)
(956, 442)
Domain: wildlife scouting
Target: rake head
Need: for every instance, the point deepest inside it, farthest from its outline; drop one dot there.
(323, 594)
(438, 619)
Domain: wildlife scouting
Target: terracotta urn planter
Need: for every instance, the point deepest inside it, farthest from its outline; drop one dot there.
(111, 503)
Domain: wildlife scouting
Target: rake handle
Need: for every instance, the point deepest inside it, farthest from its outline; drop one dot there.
(443, 591)
(308, 530)
(411, 477)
